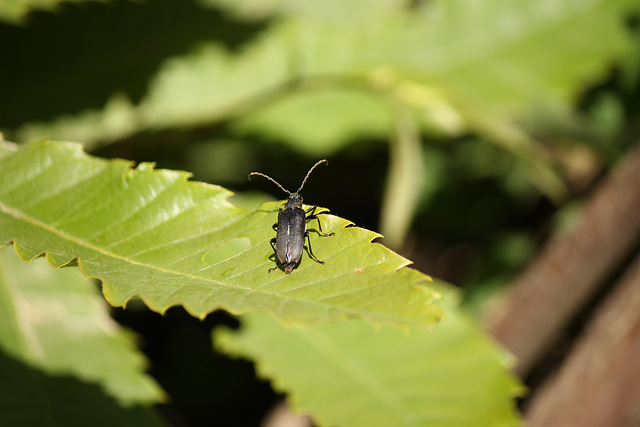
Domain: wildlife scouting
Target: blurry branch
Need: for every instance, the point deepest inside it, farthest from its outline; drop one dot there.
(599, 383)
(405, 178)
(530, 153)
(571, 268)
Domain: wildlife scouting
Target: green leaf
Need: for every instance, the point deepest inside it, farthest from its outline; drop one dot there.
(54, 321)
(148, 234)
(482, 68)
(506, 55)
(320, 76)
(496, 59)
(59, 345)
(325, 120)
(15, 11)
(212, 84)
(30, 397)
(461, 67)
(347, 374)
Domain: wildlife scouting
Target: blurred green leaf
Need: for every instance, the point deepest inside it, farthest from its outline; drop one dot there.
(348, 374)
(58, 345)
(212, 84)
(15, 11)
(488, 62)
(492, 57)
(147, 234)
(69, 65)
(325, 119)
(320, 76)
(31, 397)
(55, 321)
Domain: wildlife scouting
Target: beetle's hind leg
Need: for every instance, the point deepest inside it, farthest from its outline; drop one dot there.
(306, 233)
(273, 242)
(312, 215)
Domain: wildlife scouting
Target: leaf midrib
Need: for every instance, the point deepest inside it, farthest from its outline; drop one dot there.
(80, 242)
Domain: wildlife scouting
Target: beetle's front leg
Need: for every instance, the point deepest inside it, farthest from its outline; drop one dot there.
(312, 215)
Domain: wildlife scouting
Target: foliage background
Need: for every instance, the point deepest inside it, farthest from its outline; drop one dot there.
(475, 126)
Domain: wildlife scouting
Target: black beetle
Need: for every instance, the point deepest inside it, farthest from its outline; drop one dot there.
(291, 228)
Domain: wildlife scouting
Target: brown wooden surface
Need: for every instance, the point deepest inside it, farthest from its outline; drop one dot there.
(571, 268)
(599, 383)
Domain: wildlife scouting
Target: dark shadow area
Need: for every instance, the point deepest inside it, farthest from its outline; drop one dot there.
(206, 388)
(75, 58)
(31, 397)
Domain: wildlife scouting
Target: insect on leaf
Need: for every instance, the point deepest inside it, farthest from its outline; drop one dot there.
(149, 233)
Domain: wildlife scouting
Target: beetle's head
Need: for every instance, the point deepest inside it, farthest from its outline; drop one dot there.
(294, 201)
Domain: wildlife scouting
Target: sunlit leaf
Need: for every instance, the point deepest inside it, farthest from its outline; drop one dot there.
(149, 233)
(347, 374)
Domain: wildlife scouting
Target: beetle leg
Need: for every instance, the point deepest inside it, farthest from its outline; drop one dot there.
(306, 233)
(319, 226)
(273, 241)
(275, 226)
(313, 215)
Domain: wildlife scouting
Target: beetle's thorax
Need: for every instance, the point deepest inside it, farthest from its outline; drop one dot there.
(294, 201)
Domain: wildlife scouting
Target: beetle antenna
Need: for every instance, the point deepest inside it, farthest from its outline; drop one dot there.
(309, 173)
(270, 179)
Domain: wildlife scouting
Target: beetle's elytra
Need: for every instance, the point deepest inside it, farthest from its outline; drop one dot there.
(291, 228)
